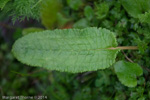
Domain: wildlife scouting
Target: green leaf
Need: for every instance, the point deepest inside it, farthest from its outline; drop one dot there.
(69, 50)
(62, 20)
(127, 72)
(141, 98)
(145, 18)
(49, 10)
(3, 3)
(21, 9)
(31, 30)
(136, 7)
(75, 4)
(82, 23)
(142, 45)
(88, 12)
(101, 10)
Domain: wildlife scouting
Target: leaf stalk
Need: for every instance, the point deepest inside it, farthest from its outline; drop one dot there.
(125, 48)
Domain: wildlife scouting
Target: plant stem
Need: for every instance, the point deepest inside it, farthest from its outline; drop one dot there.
(126, 48)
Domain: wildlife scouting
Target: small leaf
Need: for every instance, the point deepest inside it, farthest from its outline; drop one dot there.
(70, 50)
(75, 4)
(127, 72)
(101, 10)
(62, 20)
(82, 23)
(88, 12)
(31, 30)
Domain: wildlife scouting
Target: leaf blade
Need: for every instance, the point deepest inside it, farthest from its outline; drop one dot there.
(136, 7)
(70, 50)
(127, 72)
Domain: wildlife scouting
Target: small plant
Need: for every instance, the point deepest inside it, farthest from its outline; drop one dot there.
(75, 51)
